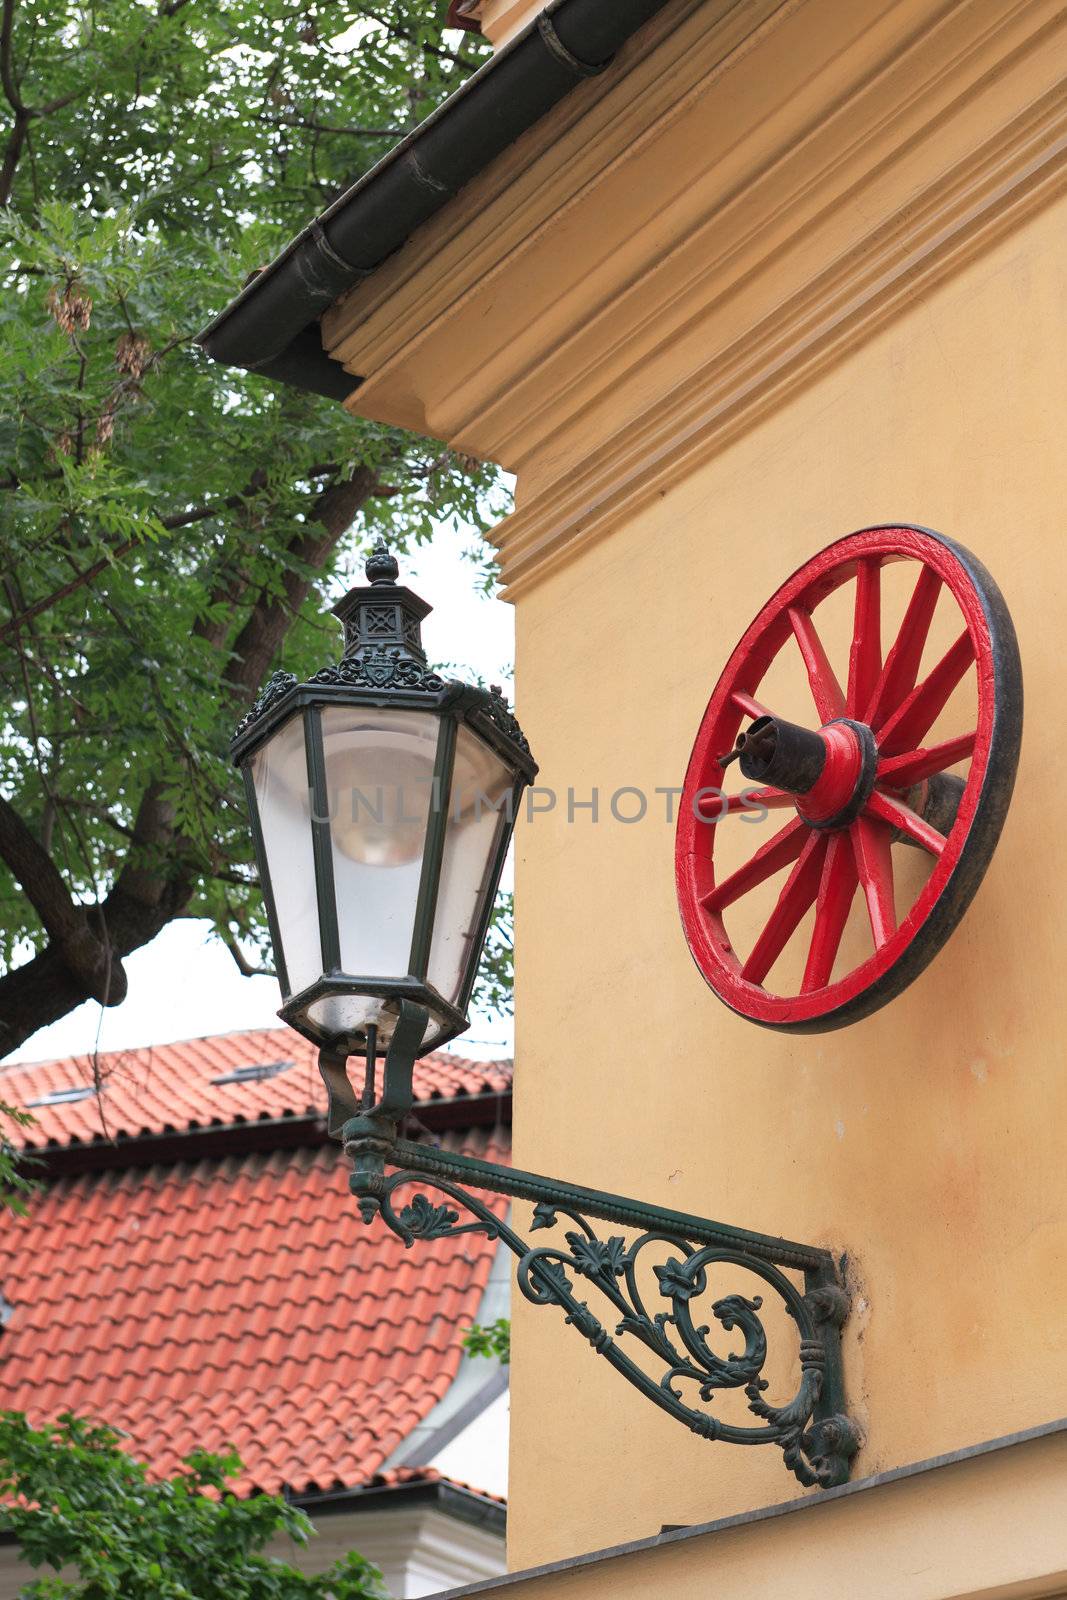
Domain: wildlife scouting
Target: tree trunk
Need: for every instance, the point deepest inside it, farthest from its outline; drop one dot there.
(145, 898)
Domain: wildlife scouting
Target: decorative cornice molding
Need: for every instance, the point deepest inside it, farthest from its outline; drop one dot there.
(386, 320)
(819, 327)
(825, 165)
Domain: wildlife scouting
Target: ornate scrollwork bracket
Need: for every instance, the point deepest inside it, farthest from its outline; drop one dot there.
(688, 1257)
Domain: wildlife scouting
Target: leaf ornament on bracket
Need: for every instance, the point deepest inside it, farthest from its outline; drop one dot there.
(423, 1220)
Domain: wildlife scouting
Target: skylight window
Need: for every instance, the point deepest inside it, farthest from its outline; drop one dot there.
(267, 1069)
(63, 1097)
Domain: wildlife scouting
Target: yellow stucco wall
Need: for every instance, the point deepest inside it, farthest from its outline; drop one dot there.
(927, 1141)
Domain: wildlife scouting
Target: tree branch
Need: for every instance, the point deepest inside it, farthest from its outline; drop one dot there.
(24, 114)
(64, 921)
(7, 66)
(157, 881)
(59, 102)
(323, 127)
(271, 617)
(12, 153)
(180, 519)
(78, 581)
(427, 49)
(245, 968)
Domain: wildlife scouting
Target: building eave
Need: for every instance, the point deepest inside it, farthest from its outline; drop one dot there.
(204, 1141)
(271, 326)
(453, 1499)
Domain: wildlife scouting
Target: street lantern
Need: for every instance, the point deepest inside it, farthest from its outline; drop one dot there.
(383, 799)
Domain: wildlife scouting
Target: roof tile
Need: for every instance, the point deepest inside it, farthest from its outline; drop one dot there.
(174, 1087)
(235, 1300)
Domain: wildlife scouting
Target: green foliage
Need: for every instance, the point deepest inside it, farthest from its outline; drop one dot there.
(76, 1502)
(493, 1341)
(15, 1184)
(496, 975)
(157, 509)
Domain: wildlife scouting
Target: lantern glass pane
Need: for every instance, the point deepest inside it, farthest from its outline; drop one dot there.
(279, 772)
(379, 780)
(479, 812)
(349, 1014)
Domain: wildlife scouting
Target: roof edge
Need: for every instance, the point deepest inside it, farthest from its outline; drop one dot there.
(271, 326)
(457, 1500)
(198, 1142)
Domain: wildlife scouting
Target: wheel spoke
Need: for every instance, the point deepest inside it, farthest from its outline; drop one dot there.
(898, 815)
(825, 689)
(747, 800)
(797, 895)
(914, 719)
(865, 656)
(836, 892)
(871, 845)
(897, 677)
(900, 772)
(778, 852)
(746, 703)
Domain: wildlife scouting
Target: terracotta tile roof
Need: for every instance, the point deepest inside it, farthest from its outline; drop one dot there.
(238, 1301)
(174, 1086)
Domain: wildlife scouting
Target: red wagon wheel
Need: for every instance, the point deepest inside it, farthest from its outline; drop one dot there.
(841, 798)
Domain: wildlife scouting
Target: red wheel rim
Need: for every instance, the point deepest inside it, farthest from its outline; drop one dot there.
(899, 697)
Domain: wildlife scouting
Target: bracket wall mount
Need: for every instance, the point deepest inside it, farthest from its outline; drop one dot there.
(680, 1371)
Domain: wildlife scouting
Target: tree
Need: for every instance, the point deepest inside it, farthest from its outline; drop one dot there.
(492, 1341)
(16, 1165)
(78, 1503)
(166, 524)
(496, 975)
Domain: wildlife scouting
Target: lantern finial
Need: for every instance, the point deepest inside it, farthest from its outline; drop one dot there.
(381, 566)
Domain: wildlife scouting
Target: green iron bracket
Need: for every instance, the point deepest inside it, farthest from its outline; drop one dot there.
(812, 1429)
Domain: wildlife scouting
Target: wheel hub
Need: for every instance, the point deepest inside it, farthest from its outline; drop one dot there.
(830, 772)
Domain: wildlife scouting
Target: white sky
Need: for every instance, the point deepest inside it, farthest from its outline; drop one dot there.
(184, 984)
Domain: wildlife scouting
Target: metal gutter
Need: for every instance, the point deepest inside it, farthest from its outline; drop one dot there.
(440, 1494)
(271, 327)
